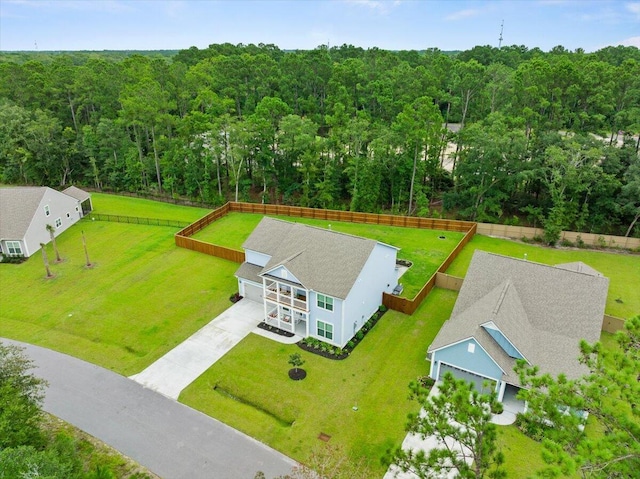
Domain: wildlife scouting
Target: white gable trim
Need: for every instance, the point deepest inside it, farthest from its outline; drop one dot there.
(388, 245)
(462, 341)
(492, 325)
(290, 276)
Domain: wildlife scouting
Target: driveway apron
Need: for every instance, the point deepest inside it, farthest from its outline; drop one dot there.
(169, 438)
(174, 371)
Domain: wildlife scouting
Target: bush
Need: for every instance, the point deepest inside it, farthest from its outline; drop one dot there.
(565, 242)
(382, 308)
(13, 259)
(579, 242)
(360, 335)
(351, 345)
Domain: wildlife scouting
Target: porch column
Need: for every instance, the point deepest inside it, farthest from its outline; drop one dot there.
(264, 299)
(503, 386)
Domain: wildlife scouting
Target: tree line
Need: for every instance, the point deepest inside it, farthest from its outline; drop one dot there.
(512, 135)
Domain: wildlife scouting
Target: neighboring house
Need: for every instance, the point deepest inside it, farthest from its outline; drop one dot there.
(511, 309)
(25, 213)
(315, 282)
(84, 199)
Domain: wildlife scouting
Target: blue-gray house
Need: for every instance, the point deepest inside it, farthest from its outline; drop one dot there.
(510, 309)
(314, 281)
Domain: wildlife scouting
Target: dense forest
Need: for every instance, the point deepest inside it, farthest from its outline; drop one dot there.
(512, 135)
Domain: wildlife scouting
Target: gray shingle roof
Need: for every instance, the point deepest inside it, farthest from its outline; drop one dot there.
(322, 260)
(17, 207)
(543, 310)
(249, 272)
(77, 193)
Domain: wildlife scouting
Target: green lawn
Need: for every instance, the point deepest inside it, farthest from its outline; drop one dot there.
(622, 269)
(421, 246)
(124, 205)
(289, 415)
(143, 297)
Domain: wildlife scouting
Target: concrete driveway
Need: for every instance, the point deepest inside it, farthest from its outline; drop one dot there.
(169, 438)
(416, 443)
(174, 371)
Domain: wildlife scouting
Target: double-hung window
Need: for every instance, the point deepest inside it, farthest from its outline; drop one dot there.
(14, 248)
(58, 222)
(47, 211)
(325, 302)
(325, 330)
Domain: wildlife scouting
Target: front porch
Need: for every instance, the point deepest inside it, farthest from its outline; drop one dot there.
(511, 406)
(286, 294)
(286, 318)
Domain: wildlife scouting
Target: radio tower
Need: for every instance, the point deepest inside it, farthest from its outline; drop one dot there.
(500, 39)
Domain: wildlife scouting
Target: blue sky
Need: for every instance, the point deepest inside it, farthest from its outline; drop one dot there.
(305, 24)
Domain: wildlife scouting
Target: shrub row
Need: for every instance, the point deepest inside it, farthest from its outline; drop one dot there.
(327, 350)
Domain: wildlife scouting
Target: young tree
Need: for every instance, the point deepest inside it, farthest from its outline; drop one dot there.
(610, 393)
(459, 417)
(51, 231)
(21, 395)
(46, 261)
(296, 360)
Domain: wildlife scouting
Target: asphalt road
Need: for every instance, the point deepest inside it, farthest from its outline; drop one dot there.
(169, 438)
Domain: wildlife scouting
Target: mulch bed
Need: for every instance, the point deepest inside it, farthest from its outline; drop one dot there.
(273, 329)
(347, 351)
(297, 374)
(320, 352)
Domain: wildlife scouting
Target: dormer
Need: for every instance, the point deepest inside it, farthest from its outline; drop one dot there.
(497, 335)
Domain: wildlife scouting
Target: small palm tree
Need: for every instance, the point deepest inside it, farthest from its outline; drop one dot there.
(86, 253)
(51, 231)
(46, 261)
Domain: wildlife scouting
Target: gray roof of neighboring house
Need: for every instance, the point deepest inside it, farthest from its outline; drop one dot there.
(322, 260)
(17, 206)
(77, 193)
(544, 311)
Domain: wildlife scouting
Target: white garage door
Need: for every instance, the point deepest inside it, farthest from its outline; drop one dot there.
(474, 379)
(253, 292)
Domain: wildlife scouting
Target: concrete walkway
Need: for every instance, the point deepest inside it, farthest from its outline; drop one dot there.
(174, 371)
(413, 442)
(169, 438)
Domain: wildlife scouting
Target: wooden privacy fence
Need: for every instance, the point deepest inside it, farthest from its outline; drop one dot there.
(409, 306)
(203, 222)
(137, 220)
(352, 216)
(183, 237)
(210, 249)
(589, 239)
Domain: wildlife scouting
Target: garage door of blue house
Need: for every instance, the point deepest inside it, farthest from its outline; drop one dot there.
(475, 379)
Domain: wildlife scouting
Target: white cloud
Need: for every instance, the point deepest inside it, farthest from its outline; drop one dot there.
(379, 6)
(462, 14)
(634, 7)
(631, 42)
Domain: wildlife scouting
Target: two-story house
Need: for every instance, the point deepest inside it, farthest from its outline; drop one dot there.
(314, 281)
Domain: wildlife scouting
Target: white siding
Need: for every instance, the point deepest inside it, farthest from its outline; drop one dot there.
(253, 257)
(59, 205)
(377, 276)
